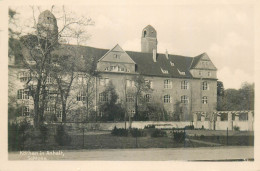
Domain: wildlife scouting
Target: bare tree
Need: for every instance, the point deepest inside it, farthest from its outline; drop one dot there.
(140, 88)
(38, 48)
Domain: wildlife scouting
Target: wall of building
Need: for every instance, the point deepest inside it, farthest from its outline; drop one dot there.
(194, 92)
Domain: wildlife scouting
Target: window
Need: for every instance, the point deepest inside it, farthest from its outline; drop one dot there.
(184, 99)
(130, 83)
(164, 71)
(144, 33)
(24, 76)
(172, 64)
(81, 77)
(184, 84)
(121, 69)
(204, 100)
(167, 84)
(59, 114)
(49, 109)
(25, 111)
(129, 98)
(205, 85)
(103, 81)
(116, 56)
(148, 83)
(200, 73)
(23, 94)
(167, 99)
(81, 96)
(113, 68)
(209, 73)
(147, 98)
(103, 97)
(48, 79)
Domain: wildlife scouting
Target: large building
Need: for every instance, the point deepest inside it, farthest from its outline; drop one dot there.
(171, 79)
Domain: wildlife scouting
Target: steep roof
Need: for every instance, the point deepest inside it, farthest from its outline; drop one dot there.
(146, 65)
(195, 61)
(175, 64)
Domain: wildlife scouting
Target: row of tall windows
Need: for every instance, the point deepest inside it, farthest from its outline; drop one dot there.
(184, 85)
(149, 83)
(184, 99)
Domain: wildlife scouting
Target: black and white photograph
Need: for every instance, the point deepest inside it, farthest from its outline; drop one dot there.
(122, 81)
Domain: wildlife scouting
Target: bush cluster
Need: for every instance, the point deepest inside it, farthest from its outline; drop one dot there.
(17, 135)
(61, 136)
(149, 127)
(179, 136)
(135, 132)
(158, 133)
(190, 127)
(119, 132)
(236, 128)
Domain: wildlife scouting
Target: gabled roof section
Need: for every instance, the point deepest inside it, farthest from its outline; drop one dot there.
(196, 63)
(117, 54)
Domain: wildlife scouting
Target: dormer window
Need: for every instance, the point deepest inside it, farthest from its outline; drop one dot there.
(172, 64)
(164, 71)
(180, 72)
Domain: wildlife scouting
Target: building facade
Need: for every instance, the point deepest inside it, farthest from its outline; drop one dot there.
(170, 80)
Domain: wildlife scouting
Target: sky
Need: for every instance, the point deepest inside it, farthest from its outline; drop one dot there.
(224, 31)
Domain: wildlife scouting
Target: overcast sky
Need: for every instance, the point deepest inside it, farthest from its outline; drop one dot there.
(224, 32)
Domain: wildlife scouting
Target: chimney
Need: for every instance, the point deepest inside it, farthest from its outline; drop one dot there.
(166, 54)
(154, 55)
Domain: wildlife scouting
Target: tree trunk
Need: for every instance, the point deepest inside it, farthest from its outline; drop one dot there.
(63, 112)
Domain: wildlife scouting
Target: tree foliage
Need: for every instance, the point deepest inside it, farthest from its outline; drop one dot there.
(112, 111)
(241, 99)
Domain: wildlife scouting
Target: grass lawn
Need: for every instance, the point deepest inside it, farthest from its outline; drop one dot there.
(105, 140)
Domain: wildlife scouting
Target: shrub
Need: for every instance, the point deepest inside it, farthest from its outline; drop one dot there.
(149, 127)
(190, 127)
(178, 136)
(135, 132)
(61, 136)
(158, 133)
(236, 128)
(202, 137)
(119, 132)
(17, 135)
(43, 133)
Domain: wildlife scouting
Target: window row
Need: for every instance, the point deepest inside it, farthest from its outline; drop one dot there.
(184, 99)
(25, 76)
(202, 73)
(117, 69)
(184, 85)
